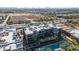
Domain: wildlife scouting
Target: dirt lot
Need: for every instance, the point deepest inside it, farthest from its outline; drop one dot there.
(22, 18)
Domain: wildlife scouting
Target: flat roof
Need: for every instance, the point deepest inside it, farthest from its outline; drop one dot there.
(75, 32)
(32, 28)
(28, 31)
(9, 39)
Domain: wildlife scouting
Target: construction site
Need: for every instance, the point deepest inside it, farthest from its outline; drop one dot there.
(39, 32)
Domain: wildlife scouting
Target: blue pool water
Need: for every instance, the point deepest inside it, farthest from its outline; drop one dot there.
(52, 47)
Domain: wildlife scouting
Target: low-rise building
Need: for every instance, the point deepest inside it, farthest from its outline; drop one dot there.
(8, 35)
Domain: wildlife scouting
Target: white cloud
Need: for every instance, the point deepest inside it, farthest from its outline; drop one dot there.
(39, 3)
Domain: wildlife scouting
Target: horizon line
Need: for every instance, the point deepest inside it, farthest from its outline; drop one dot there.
(42, 7)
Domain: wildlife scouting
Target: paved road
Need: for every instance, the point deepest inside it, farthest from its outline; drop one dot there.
(4, 23)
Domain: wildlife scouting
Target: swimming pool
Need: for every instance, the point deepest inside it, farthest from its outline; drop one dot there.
(53, 47)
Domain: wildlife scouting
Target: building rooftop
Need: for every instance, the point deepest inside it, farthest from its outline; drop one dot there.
(71, 30)
(28, 31)
(8, 37)
(74, 32)
(31, 28)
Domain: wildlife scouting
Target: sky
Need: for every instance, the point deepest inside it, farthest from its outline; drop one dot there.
(39, 3)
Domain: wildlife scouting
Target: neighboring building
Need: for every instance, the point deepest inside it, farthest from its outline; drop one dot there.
(8, 39)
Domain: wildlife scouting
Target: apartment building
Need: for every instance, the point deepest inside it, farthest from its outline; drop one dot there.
(35, 35)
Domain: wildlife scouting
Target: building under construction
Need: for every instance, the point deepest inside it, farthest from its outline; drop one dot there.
(38, 35)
